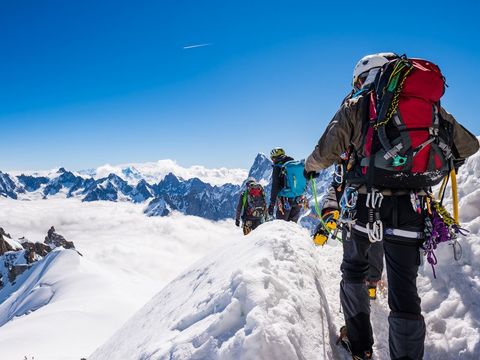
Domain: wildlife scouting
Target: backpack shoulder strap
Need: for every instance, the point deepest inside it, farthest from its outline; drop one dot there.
(244, 199)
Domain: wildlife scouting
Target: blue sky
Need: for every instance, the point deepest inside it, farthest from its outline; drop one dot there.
(84, 83)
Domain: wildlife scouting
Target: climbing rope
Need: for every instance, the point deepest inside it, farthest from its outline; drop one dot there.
(331, 234)
(392, 86)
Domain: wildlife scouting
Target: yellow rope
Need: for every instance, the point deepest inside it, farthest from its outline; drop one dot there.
(453, 175)
(442, 187)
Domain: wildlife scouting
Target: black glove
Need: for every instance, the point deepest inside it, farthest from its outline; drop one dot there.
(310, 174)
(271, 208)
(237, 222)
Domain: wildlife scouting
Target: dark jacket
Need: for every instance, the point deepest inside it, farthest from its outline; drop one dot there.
(278, 180)
(345, 129)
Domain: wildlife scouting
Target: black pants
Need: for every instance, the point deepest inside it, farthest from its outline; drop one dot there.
(402, 258)
(375, 261)
(250, 224)
(290, 209)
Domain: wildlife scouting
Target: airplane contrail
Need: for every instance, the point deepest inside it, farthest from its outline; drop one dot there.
(196, 46)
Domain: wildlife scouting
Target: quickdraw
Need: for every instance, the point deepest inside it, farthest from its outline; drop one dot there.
(375, 224)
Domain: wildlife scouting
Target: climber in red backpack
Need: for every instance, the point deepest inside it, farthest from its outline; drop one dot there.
(400, 142)
(252, 206)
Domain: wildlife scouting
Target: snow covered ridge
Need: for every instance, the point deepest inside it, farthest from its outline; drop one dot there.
(260, 297)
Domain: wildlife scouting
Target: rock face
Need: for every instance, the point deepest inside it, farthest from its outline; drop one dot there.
(193, 197)
(17, 256)
(7, 243)
(261, 169)
(7, 186)
(55, 240)
(4, 246)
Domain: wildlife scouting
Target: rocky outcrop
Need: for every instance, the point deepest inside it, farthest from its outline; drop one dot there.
(55, 240)
(4, 244)
(18, 256)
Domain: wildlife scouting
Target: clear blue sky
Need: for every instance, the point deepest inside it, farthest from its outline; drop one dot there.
(83, 83)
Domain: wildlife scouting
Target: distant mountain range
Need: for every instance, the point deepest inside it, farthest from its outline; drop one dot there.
(189, 195)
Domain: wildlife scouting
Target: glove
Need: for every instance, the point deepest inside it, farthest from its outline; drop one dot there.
(320, 236)
(237, 222)
(330, 217)
(310, 174)
(271, 208)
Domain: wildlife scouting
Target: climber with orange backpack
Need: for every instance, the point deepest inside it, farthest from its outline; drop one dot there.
(400, 142)
(252, 206)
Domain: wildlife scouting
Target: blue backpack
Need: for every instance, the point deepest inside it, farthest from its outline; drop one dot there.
(295, 182)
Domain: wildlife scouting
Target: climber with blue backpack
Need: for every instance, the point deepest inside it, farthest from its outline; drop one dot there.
(288, 186)
(401, 142)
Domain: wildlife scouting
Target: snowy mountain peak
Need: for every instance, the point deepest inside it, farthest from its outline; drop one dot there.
(261, 169)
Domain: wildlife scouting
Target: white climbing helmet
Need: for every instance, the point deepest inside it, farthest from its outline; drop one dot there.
(370, 62)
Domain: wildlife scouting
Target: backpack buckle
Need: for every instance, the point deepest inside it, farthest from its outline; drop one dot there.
(399, 160)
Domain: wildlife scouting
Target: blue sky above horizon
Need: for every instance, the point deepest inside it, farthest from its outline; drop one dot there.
(84, 83)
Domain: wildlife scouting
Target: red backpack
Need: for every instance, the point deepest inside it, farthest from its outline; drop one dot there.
(254, 201)
(406, 142)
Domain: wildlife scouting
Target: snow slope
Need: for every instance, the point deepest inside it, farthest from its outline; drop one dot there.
(260, 297)
(80, 301)
(59, 309)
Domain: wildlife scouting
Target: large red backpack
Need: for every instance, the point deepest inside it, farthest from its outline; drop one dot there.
(407, 144)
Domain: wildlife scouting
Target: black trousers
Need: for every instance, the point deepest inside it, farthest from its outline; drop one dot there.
(290, 209)
(250, 224)
(375, 261)
(402, 258)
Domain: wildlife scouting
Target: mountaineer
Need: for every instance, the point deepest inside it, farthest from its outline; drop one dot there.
(400, 142)
(252, 206)
(288, 186)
